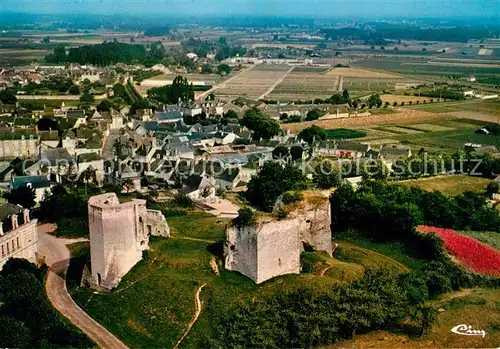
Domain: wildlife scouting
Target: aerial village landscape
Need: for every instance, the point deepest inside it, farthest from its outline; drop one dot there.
(249, 182)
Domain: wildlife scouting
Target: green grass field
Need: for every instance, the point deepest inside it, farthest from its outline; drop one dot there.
(154, 301)
(343, 133)
(449, 185)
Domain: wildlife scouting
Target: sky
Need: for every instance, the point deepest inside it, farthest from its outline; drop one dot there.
(301, 8)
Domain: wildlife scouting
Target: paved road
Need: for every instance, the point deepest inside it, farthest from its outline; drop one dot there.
(57, 258)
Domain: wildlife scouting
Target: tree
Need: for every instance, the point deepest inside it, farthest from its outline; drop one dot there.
(74, 90)
(429, 317)
(206, 69)
(312, 134)
(313, 114)
(223, 69)
(281, 152)
(296, 152)
(492, 188)
(261, 125)
(14, 333)
(273, 180)
(179, 90)
(87, 98)
(345, 95)
(23, 195)
(14, 265)
(326, 175)
(374, 100)
(8, 96)
(231, 114)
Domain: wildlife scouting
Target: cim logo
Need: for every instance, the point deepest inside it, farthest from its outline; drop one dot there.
(466, 330)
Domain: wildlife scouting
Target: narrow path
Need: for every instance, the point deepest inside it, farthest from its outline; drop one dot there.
(279, 81)
(194, 239)
(57, 256)
(195, 316)
(324, 270)
(341, 84)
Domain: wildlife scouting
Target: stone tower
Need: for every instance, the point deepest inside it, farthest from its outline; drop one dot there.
(272, 246)
(118, 236)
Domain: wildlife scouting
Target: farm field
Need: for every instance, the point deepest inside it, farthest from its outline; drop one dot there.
(399, 115)
(452, 185)
(254, 82)
(360, 73)
(478, 307)
(154, 301)
(305, 86)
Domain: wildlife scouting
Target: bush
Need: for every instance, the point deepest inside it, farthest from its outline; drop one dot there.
(245, 217)
(291, 196)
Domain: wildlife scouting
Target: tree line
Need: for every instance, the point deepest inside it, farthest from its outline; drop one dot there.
(108, 53)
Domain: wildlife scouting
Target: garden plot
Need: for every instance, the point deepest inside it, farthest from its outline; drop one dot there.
(402, 130)
(431, 127)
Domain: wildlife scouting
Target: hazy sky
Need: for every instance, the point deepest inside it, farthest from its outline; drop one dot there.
(311, 8)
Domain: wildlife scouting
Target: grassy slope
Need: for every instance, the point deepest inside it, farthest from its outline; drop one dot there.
(154, 301)
(475, 307)
(449, 185)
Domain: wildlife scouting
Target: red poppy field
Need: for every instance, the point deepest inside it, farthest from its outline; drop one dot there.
(473, 254)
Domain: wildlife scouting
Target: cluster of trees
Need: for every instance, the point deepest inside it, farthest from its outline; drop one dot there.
(51, 85)
(27, 319)
(221, 47)
(273, 180)
(109, 53)
(386, 212)
(261, 125)
(8, 96)
(306, 318)
(337, 98)
(171, 94)
(24, 196)
(444, 94)
(376, 34)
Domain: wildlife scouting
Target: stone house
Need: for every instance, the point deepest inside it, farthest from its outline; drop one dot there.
(18, 234)
(272, 247)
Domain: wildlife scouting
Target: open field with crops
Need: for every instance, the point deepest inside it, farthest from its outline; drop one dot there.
(306, 86)
(360, 73)
(399, 116)
(449, 185)
(255, 82)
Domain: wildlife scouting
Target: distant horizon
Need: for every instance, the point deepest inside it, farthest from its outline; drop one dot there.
(318, 9)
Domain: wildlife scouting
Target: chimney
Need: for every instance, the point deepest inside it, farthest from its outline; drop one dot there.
(14, 222)
(1, 229)
(26, 216)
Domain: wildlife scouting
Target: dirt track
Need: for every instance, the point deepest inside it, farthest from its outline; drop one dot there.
(400, 116)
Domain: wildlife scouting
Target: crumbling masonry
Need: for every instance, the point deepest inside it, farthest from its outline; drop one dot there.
(119, 233)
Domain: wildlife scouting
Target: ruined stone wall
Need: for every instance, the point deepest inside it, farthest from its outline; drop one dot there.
(156, 224)
(272, 247)
(241, 251)
(117, 237)
(278, 250)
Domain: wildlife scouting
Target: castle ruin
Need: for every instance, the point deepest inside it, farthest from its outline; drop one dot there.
(119, 233)
(272, 246)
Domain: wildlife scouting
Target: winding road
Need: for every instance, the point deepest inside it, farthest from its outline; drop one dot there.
(57, 256)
